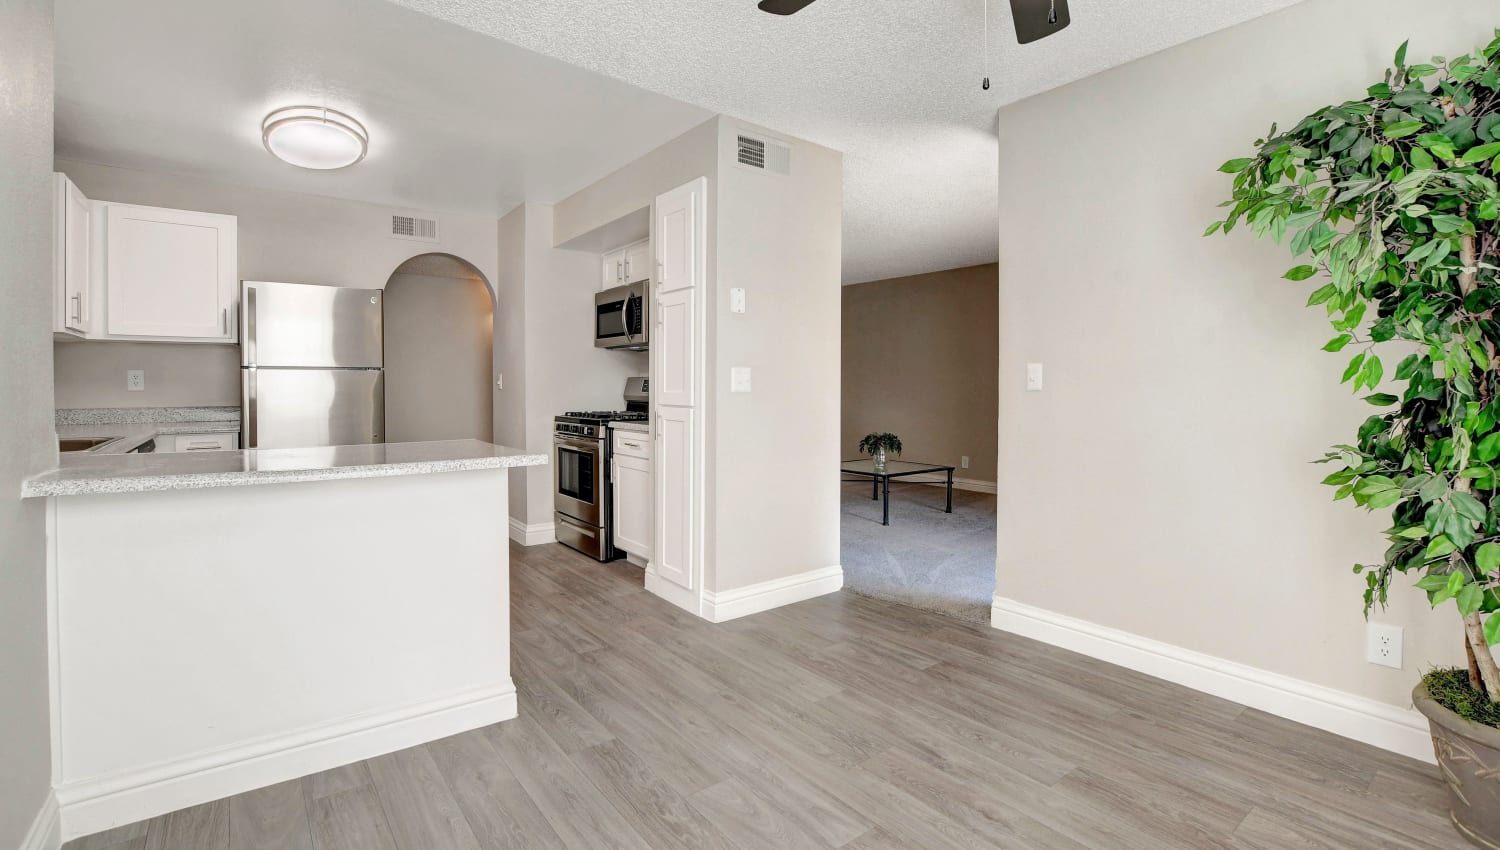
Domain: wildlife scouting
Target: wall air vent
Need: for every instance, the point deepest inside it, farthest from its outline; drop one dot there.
(415, 228)
(764, 155)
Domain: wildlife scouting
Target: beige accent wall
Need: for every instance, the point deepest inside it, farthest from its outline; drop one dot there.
(438, 338)
(1161, 482)
(283, 236)
(917, 353)
(25, 408)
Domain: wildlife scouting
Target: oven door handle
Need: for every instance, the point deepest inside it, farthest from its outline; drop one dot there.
(583, 445)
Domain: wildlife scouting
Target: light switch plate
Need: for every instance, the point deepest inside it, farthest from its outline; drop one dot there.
(739, 379)
(737, 300)
(1033, 377)
(135, 380)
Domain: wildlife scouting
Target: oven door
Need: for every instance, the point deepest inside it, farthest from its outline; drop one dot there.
(579, 482)
(620, 317)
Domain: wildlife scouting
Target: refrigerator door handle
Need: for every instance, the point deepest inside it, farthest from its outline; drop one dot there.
(252, 424)
(247, 316)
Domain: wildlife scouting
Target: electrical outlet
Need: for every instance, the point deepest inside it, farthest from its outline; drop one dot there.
(135, 380)
(964, 462)
(1383, 644)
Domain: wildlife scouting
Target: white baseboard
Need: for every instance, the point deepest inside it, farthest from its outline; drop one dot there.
(742, 601)
(96, 804)
(46, 829)
(683, 598)
(534, 534)
(1382, 725)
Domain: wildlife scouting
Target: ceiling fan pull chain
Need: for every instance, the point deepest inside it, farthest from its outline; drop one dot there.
(986, 84)
(1052, 12)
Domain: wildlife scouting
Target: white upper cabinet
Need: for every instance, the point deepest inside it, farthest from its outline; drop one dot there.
(630, 264)
(73, 311)
(679, 231)
(638, 262)
(169, 274)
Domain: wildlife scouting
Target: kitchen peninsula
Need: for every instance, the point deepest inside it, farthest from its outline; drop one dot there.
(221, 621)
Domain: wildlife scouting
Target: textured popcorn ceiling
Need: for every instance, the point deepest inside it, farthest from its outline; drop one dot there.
(892, 83)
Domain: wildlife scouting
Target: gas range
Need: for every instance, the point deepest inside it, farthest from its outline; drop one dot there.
(592, 423)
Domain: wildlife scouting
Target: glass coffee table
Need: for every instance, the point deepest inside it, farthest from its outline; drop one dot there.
(881, 478)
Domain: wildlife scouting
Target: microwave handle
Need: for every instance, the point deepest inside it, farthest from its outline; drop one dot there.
(625, 318)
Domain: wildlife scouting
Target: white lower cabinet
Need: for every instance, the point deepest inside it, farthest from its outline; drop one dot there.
(634, 497)
(199, 442)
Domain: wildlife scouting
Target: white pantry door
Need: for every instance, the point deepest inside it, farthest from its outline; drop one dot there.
(677, 350)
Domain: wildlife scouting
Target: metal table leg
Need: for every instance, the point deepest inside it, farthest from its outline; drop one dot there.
(949, 508)
(874, 487)
(885, 518)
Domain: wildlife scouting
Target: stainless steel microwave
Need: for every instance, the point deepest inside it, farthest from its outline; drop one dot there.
(620, 317)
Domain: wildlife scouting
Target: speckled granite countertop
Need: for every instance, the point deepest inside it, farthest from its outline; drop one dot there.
(130, 426)
(87, 473)
(638, 427)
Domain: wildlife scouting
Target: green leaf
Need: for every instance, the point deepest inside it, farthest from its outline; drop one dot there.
(1487, 557)
(1235, 166)
(1382, 399)
(1469, 599)
(1439, 547)
(1422, 160)
(1354, 367)
(1477, 155)
(1433, 582)
(1402, 129)
(1301, 273)
(1322, 294)
(1338, 342)
(1492, 630)
(1401, 54)
(1488, 448)
(1371, 375)
(1468, 507)
(1214, 228)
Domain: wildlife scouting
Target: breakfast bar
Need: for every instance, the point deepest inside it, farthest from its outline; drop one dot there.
(221, 621)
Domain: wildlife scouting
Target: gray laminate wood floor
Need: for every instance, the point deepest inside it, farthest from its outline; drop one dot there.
(838, 722)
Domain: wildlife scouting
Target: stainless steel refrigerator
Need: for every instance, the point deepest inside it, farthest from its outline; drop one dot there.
(312, 364)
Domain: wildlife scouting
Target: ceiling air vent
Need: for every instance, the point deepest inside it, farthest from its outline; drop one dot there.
(764, 155)
(415, 228)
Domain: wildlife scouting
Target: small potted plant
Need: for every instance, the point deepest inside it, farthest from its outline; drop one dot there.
(1393, 201)
(876, 444)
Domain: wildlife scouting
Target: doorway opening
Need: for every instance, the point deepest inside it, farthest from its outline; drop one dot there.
(439, 343)
(920, 361)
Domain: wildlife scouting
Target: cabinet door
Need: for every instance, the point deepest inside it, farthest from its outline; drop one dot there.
(681, 225)
(611, 270)
(675, 347)
(71, 258)
(633, 505)
(638, 262)
(675, 555)
(170, 274)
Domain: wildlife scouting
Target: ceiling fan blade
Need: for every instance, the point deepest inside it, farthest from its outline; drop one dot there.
(783, 7)
(1037, 19)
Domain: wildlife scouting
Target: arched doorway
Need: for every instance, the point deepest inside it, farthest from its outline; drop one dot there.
(439, 336)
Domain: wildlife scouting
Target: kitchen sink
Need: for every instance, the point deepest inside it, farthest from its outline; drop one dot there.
(79, 444)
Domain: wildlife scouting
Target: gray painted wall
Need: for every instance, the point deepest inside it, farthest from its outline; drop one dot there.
(25, 407)
(1164, 469)
(917, 355)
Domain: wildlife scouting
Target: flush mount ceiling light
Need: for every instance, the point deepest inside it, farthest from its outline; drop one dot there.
(315, 137)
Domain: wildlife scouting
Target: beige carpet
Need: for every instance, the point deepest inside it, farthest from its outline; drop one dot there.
(925, 558)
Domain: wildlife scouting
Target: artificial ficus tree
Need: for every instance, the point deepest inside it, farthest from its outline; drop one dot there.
(1392, 202)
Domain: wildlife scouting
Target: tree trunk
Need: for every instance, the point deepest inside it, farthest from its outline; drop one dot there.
(1489, 673)
(1469, 258)
(1475, 680)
